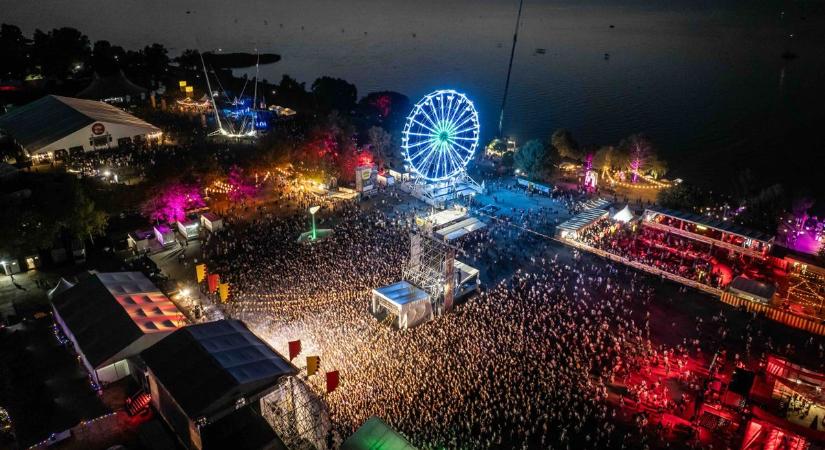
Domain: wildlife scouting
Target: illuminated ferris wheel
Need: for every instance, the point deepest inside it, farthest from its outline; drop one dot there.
(441, 135)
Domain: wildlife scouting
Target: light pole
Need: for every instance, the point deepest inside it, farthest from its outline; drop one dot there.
(312, 211)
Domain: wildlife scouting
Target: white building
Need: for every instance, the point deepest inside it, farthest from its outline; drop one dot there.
(55, 125)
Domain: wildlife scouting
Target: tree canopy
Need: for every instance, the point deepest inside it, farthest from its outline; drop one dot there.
(334, 94)
(535, 160)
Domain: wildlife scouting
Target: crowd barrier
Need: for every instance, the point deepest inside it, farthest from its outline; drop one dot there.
(771, 312)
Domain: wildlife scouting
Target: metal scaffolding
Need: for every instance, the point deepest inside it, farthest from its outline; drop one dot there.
(298, 415)
(431, 268)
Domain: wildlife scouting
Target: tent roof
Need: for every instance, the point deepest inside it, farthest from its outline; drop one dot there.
(459, 229)
(401, 293)
(753, 287)
(207, 367)
(53, 117)
(374, 434)
(61, 286)
(116, 85)
(583, 219)
(711, 223)
(624, 215)
(101, 327)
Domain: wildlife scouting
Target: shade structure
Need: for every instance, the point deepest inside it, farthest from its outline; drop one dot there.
(410, 304)
(111, 317)
(571, 228)
(207, 367)
(55, 123)
(374, 434)
(624, 215)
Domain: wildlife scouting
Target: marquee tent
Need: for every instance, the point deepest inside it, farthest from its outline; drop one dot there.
(54, 123)
(410, 304)
(204, 375)
(110, 317)
(374, 434)
(571, 228)
(624, 215)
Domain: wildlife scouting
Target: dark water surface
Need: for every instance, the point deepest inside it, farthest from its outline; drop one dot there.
(704, 79)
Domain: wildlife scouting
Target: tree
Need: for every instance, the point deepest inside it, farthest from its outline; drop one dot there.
(292, 94)
(86, 220)
(682, 197)
(14, 47)
(171, 202)
(61, 53)
(334, 94)
(640, 157)
(564, 143)
(534, 160)
(386, 108)
(383, 150)
(106, 59)
(155, 60)
(189, 59)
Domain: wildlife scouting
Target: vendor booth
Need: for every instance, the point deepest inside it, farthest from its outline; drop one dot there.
(211, 221)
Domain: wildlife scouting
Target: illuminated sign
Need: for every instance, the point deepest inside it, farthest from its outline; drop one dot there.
(98, 129)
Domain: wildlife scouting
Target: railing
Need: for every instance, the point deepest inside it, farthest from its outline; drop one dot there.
(771, 312)
(705, 239)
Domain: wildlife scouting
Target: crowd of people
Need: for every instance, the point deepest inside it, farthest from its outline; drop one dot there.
(556, 353)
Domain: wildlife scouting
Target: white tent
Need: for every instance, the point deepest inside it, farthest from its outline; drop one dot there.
(410, 304)
(61, 286)
(55, 123)
(624, 215)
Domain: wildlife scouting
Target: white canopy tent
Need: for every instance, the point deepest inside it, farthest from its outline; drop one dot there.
(410, 304)
(459, 229)
(624, 215)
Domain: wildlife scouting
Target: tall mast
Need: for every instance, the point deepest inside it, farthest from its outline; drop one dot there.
(255, 93)
(509, 70)
(211, 97)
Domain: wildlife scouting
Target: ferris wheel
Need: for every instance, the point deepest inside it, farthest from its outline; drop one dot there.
(441, 135)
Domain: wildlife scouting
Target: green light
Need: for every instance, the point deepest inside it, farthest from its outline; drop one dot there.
(444, 136)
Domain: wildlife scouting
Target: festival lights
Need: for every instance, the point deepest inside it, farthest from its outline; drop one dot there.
(441, 135)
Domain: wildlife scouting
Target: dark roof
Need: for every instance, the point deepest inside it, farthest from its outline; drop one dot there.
(243, 429)
(207, 367)
(374, 434)
(51, 118)
(100, 325)
(725, 226)
(753, 287)
(116, 85)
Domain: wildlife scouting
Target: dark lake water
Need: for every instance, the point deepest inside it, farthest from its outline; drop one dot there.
(704, 79)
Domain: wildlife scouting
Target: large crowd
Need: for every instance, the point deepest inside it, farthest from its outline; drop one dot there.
(528, 363)
(556, 353)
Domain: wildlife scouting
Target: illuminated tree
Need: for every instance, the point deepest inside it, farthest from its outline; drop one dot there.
(171, 202)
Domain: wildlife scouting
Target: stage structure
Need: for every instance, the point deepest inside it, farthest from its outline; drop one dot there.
(298, 415)
(432, 280)
(439, 140)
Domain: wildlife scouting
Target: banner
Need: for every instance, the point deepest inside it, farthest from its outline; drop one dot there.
(223, 291)
(313, 362)
(332, 381)
(200, 272)
(212, 280)
(294, 349)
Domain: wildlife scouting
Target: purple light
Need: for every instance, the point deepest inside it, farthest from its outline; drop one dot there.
(171, 203)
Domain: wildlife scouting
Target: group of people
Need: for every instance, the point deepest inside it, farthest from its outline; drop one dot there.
(549, 355)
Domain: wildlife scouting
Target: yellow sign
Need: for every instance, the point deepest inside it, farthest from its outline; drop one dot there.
(223, 291)
(190, 89)
(200, 272)
(313, 362)
(182, 83)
